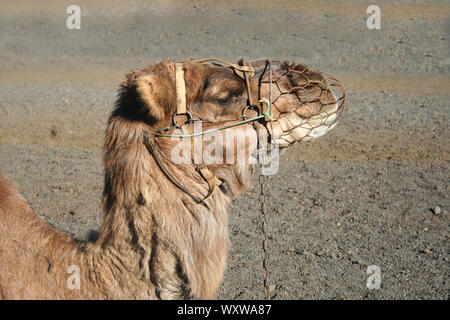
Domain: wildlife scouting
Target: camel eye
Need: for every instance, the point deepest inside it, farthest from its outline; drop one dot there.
(225, 100)
(231, 97)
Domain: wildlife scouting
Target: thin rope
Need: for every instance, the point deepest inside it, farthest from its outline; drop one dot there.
(266, 114)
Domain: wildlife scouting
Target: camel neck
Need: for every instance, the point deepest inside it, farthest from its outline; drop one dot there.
(153, 234)
(145, 240)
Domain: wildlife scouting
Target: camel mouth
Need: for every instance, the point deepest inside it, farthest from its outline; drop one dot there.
(294, 127)
(330, 116)
(324, 122)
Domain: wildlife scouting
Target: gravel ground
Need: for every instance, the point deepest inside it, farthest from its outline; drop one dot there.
(374, 191)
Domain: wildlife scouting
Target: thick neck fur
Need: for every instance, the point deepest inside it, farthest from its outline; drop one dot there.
(155, 231)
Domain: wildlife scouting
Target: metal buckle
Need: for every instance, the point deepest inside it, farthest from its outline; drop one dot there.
(250, 107)
(174, 118)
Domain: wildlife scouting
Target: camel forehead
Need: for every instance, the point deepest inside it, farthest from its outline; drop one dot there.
(219, 80)
(212, 79)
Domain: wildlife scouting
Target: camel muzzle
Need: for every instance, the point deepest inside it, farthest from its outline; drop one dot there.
(306, 103)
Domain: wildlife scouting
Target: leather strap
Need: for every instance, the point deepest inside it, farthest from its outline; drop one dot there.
(210, 178)
(206, 174)
(240, 70)
(152, 149)
(180, 88)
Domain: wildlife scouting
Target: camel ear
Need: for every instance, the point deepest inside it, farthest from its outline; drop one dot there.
(157, 94)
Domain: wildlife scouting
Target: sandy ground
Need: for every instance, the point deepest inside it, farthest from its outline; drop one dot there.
(363, 195)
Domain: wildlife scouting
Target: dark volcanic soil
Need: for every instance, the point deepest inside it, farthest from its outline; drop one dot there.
(365, 194)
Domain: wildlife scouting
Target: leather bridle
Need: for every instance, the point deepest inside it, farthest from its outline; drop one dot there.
(245, 71)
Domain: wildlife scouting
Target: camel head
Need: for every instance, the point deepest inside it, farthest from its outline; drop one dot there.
(212, 103)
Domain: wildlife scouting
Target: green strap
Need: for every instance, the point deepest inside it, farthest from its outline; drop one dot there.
(268, 113)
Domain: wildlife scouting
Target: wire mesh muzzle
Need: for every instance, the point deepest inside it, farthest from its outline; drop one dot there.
(307, 103)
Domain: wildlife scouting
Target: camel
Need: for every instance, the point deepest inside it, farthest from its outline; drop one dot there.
(164, 233)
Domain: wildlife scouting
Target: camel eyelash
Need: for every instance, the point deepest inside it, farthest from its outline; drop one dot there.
(225, 100)
(229, 97)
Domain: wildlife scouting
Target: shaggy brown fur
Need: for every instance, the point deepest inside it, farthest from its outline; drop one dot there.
(155, 241)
